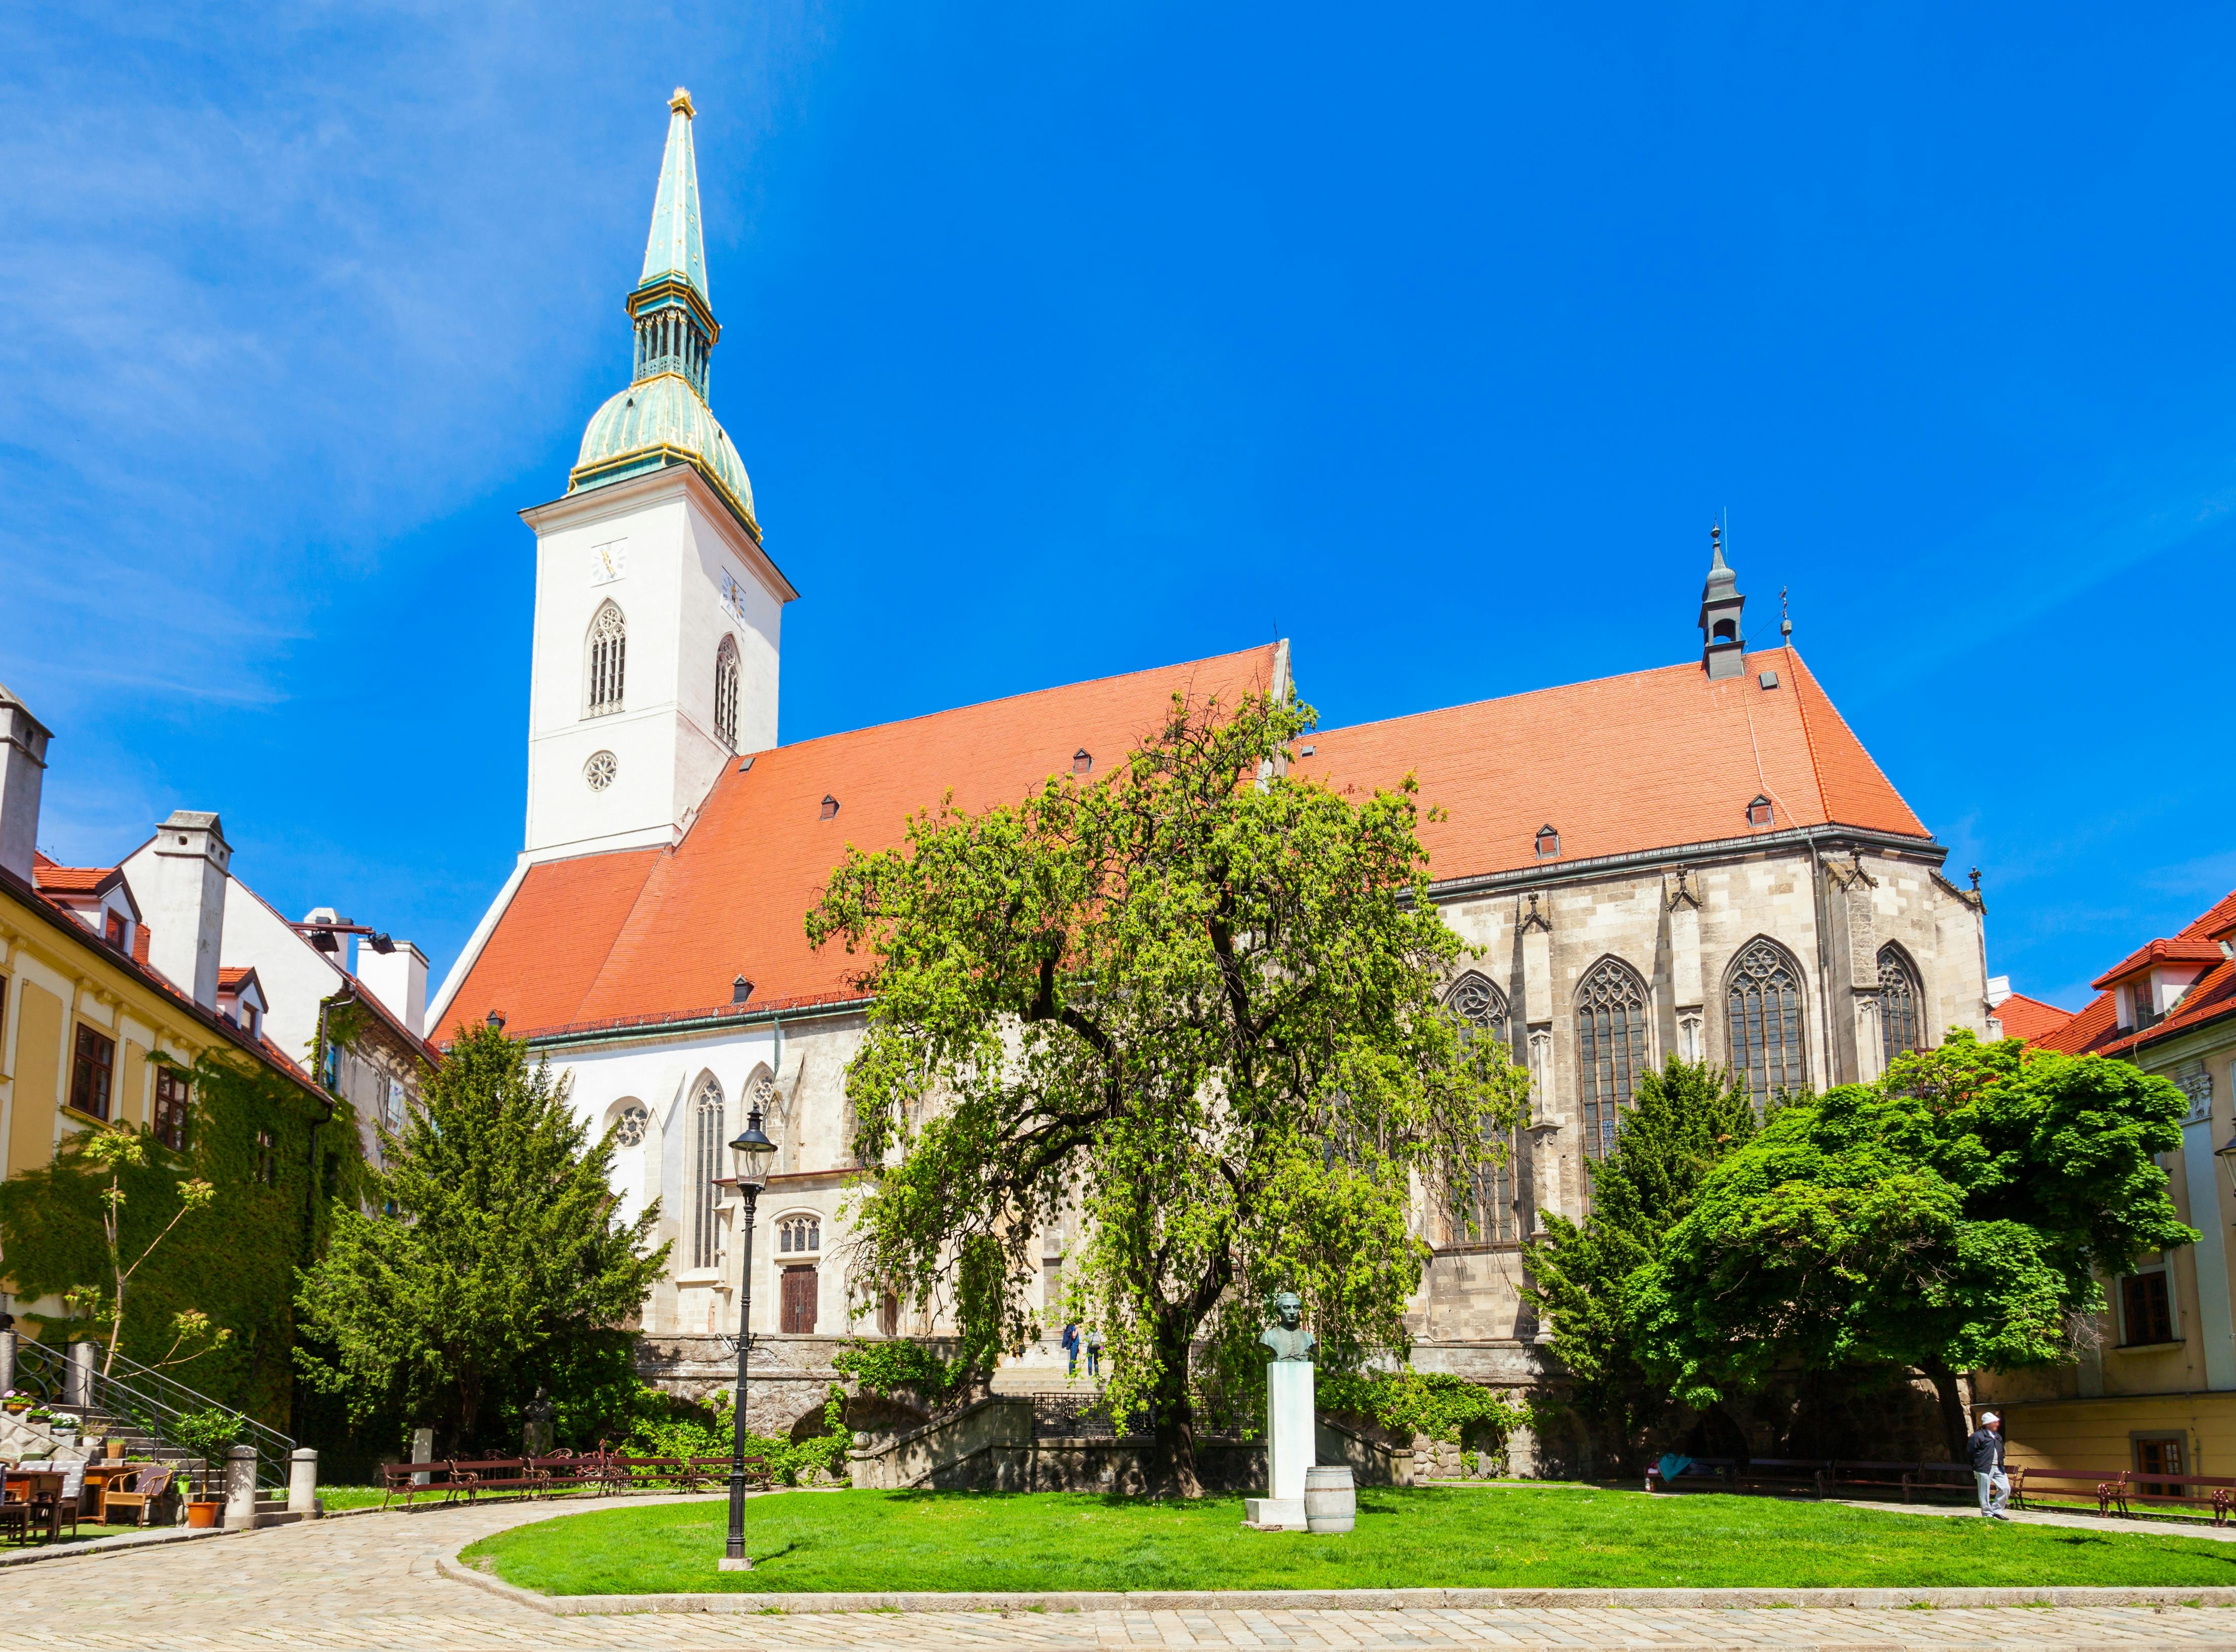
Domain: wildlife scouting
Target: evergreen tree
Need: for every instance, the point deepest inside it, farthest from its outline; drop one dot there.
(1683, 1120)
(491, 1260)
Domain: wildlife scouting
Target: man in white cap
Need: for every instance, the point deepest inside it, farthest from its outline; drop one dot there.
(1987, 1448)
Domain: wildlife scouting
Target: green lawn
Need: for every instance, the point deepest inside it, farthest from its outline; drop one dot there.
(337, 1497)
(1519, 1537)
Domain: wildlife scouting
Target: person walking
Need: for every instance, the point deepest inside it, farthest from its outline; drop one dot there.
(1987, 1448)
(1094, 1354)
(1071, 1350)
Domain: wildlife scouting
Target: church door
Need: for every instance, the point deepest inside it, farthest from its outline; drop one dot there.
(799, 1300)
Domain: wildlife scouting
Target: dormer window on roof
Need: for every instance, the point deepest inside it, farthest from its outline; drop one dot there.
(1548, 843)
(1081, 762)
(1759, 812)
(830, 806)
(740, 990)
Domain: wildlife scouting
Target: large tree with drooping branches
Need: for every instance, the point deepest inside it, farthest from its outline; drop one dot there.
(1194, 1002)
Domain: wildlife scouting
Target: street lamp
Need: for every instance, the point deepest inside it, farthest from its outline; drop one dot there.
(752, 1149)
(2228, 1158)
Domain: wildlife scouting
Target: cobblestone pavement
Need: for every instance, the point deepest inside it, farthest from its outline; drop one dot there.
(371, 1583)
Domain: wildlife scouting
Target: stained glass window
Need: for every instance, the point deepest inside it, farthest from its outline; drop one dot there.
(1765, 1003)
(1488, 1207)
(1610, 1048)
(1901, 1022)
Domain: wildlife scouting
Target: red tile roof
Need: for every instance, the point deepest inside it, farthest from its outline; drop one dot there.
(2031, 1019)
(1654, 760)
(66, 881)
(230, 976)
(2212, 995)
(2179, 949)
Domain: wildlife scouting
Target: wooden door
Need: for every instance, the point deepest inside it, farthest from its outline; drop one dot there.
(799, 1300)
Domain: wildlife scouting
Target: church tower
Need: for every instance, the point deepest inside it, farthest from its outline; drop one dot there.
(658, 614)
(1723, 647)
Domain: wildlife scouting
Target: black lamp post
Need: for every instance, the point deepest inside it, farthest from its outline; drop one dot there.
(752, 1149)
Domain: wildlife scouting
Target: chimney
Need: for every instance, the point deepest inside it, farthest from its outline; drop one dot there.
(185, 909)
(398, 979)
(23, 766)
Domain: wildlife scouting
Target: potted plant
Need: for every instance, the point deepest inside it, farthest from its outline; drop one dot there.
(209, 1435)
(17, 1404)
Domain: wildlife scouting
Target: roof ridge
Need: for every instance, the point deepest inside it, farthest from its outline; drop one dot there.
(1808, 733)
(1004, 700)
(1521, 694)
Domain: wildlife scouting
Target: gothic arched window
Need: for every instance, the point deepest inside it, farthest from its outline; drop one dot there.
(1610, 1048)
(705, 1165)
(608, 659)
(1489, 1207)
(799, 1235)
(1902, 1024)
(1764, 999)
(725, 691)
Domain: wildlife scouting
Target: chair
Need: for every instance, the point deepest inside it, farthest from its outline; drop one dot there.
(150, 1487)
(64, 1505)
(15, 1508)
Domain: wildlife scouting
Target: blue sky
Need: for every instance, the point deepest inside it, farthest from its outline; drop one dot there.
(1062, 341)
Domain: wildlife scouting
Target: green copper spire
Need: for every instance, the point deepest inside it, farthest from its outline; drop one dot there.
(675, 245)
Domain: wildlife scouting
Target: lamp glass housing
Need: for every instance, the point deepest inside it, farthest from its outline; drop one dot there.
(753, 1149)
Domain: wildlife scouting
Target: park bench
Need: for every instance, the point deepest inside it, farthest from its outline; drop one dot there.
(402, 1479)
(496, 1474)
(1911, 1479)
(1713, 1474)
(2167, 1491)
(1781, 1475)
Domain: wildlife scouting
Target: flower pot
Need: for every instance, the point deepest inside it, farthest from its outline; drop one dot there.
(203, 1513)
(18, 1407)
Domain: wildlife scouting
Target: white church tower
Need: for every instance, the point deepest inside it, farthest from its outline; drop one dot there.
(657, 612)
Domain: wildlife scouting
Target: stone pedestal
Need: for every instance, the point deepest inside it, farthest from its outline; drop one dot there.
(1289, 1448)
(303, 1481)
(240, 1489)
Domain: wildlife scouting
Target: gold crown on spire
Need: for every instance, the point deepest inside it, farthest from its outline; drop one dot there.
(681, 104)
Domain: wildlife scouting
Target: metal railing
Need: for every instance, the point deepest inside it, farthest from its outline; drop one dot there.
(151, 1401)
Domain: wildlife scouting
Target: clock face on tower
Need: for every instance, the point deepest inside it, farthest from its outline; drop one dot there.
(608, 561)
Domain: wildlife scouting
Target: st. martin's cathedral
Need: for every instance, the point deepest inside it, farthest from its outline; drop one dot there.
(1714, 867)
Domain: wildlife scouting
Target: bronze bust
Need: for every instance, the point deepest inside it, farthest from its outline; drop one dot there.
(1286, 1336)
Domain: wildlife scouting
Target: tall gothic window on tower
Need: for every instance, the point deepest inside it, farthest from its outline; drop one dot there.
(1610, 1048)
(1901, 1023)
(608, 659)
(1765, 1003)
(1489, 1207)
(725, 691)
(705, 1165)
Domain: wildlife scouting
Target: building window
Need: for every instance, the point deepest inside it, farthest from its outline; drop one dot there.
(1610, 1048)
(1901, 1021)
(628, 1125)
(798, 1235)
(798, 1302)
(173, 1099)
(608, 659)
(707, 1165)
(726, 693)
(93, 1069)
(112, 929)
(1081, 763)
(2146, 1310)
(889, 1314)
(830, 806)
(1548, 843)
(1765, 1004)
(1758, 813)
(267, 1159)
(1488, 1209)
(2162, 1455)
(392, 1104)
(2140, 1007)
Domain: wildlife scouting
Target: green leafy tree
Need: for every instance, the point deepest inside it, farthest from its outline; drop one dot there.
(1195, 1002)
(492, 1262)
(1956, 1216)
(1684, 1119)
(108, 1154)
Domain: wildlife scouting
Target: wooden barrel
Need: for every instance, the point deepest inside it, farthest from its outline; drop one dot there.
(1330, 1503)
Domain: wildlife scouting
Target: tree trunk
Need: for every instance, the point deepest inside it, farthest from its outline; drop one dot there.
(1174, 1423)
(1953, 1428)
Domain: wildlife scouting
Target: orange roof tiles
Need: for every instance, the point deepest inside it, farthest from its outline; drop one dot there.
(2179, 949)
(1652, 759)
(2031, 1019)
(2211, 995)
(51, 879)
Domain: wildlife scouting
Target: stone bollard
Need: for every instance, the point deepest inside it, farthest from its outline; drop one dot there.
(6, 1362)
(79, 1386)
(240, 1489)
(422, 1450)
(303, 1483)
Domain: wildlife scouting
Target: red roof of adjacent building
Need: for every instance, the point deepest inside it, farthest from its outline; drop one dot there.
(2178, 949)
(2031, 1019)
(2211, 995)
(1654, 760)
(53, 879)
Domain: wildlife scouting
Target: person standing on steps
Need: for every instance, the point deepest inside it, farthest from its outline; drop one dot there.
(1070, 1340)
(1987, 1448)
(1094, 1354)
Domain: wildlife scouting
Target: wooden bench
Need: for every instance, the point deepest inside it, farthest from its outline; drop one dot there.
(1909, 1478)
(403, 1479)
(496, 1474)
(1720, 1469)
(2198, 1492)
(1780, 1475)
